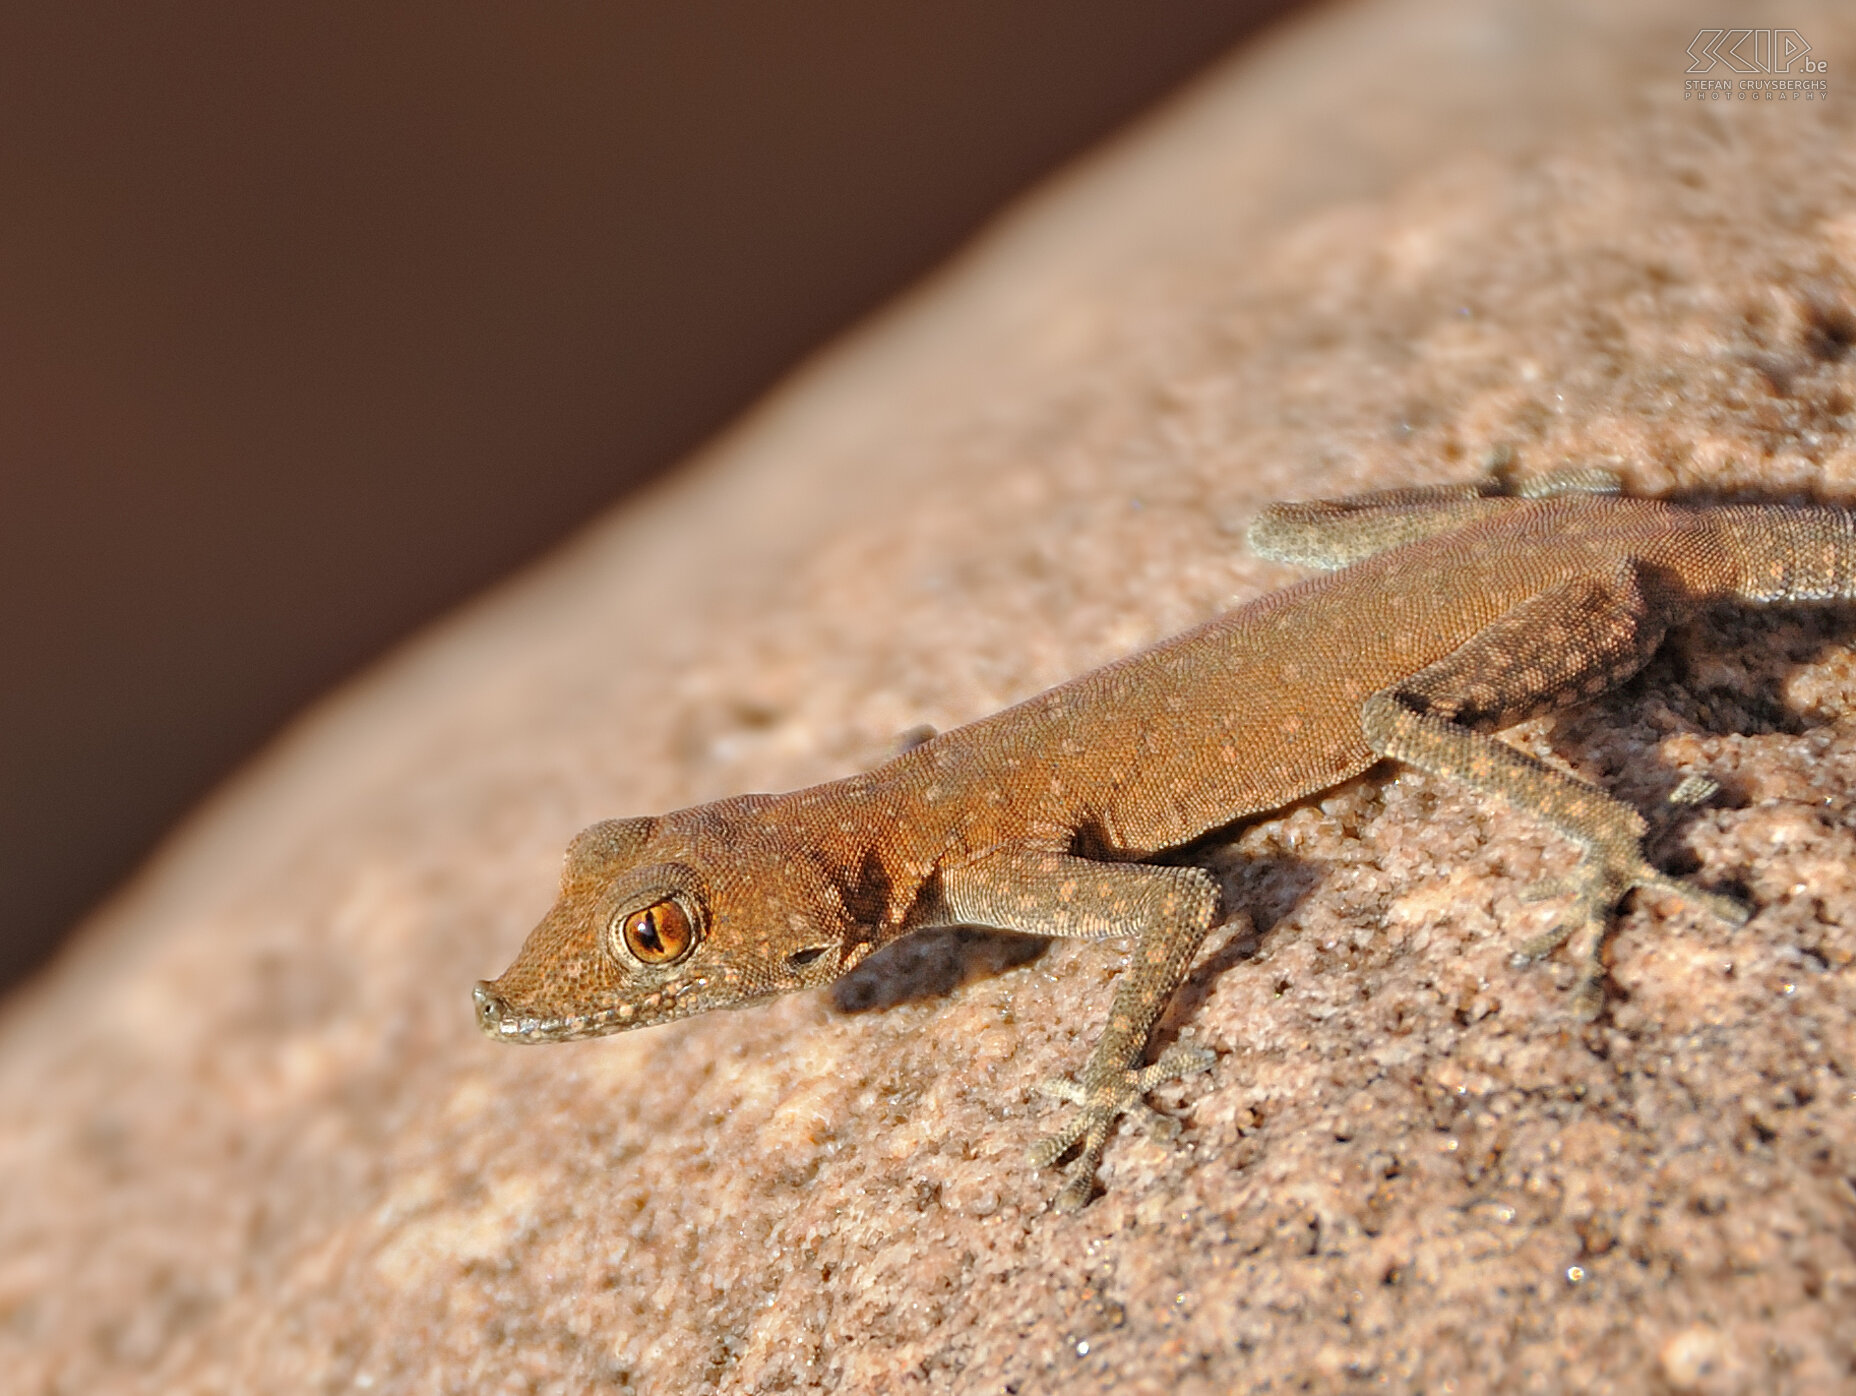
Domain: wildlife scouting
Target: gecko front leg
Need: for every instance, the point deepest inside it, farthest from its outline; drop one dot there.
(1167, 909)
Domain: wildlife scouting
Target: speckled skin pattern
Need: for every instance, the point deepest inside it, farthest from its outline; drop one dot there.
(254, 1143)
(1455, 611)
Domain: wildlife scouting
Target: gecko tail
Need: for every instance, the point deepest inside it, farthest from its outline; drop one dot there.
(1789, 554)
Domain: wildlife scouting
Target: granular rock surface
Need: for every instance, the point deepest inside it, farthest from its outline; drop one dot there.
(255, 1143)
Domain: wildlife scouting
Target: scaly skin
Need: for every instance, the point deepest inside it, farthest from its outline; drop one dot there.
(1455, 612)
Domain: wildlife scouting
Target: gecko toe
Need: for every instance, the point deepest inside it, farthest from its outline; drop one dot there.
(1598, 888)
(1087, 1135)
(1588, 998)
(1712, 904)
(1079, 1187)
(1692, 790)
(1100, 1103)
(1536, 948)
(1064, 1089)
(1180, 1060)
(1053, 1147)
(1545, 890)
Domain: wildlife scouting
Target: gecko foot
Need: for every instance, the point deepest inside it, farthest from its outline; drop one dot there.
(1102, 1097)
(1597, 889)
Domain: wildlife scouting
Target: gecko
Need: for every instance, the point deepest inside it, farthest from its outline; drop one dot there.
(1443, 614)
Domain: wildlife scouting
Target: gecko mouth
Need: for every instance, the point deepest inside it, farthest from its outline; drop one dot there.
(499, 1020)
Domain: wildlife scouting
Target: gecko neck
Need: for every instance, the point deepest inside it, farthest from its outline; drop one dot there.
(885, 836)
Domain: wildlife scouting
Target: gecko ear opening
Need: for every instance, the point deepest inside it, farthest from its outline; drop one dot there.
(600, 845)
(802, 959)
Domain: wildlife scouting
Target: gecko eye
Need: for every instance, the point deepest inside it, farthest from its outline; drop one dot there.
(659, 934)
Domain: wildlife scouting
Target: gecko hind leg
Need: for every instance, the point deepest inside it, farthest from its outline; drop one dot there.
(1608, 832)
(1566, 644)
(1332, 533)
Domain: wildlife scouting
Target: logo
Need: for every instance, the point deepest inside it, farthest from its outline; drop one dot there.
(1751, 51)
(1781, 59)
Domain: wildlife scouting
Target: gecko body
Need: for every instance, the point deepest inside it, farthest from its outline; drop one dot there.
(1453, 612)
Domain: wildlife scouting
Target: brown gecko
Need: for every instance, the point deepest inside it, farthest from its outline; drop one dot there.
(1455, 611)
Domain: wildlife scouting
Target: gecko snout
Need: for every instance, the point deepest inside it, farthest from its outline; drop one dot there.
(490, 1012)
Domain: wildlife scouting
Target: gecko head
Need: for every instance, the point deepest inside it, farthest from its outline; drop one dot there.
(658, 919)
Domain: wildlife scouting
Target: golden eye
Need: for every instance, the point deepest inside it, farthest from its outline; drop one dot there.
(659, 934)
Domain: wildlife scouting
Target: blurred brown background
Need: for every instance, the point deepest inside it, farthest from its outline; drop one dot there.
(315, 319)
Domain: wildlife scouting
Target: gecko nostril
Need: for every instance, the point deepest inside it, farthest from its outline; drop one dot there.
(489, 1007)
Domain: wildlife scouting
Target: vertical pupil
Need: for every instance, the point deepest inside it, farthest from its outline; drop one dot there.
(648, 935)
(657, 934)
